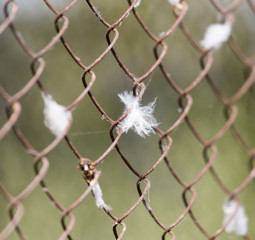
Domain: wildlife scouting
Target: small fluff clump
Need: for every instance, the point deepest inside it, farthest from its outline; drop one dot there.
(98, 195)
(216, 35)
(56, 118)
(139, 118)
(137, 3)
(239, 223)
(174, 2)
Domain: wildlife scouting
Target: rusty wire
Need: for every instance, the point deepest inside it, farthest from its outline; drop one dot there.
(165, 139)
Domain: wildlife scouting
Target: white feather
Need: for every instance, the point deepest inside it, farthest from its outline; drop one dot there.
(139, 118)
(215, 35)
(98, 195)
(137, 3)
(239, 223)
(56, 117)
(174, 2)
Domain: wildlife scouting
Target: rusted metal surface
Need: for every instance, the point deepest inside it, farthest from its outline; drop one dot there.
(165, 139)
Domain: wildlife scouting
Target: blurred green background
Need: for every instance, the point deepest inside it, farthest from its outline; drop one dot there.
(89, 133)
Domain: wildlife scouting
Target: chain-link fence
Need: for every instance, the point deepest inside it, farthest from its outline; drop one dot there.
(189, 175)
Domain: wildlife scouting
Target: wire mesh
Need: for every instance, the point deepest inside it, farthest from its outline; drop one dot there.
(203, 149)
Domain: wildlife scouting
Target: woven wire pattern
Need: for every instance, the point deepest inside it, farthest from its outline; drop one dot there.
(189, 103)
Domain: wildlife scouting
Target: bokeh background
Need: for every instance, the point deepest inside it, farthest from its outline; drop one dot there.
(90, 133)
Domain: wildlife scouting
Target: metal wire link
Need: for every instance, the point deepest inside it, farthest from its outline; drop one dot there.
(165, 138)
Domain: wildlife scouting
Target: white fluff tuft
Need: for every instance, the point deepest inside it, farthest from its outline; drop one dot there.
(139, 117)
(174, 2)
(56, 118)
(137, 3)
(239, 223)
(98, 195)
(215, 35)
